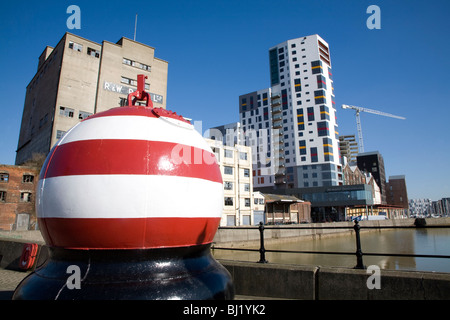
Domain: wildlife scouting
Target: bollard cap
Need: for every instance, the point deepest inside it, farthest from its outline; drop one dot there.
(129, 178)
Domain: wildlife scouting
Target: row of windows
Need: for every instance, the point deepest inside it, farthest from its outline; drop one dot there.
(324, 115)
(249, 104)
(79, 47)
(26, 178)
(228, 185)
(133, 82)
(229, 154)
(229, 171)
(69, 113)
(228, 201)
(136, 64)
(24, 196)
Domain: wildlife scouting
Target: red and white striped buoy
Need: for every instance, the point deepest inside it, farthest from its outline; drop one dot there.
(130, 177)
(132, 198)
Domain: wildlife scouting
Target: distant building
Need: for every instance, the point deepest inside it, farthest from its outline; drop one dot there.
(259, 207)
(236, 167)
(230, 134)
(420, 207)
(354, 176)
(396, 192)
(78, 78)
(372, 162)
(349, 148)
(17, 197)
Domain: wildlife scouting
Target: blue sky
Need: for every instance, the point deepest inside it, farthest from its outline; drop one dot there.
(218, 50)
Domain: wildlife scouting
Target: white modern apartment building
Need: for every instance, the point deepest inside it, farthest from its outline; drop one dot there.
(292, 125)
(236, 167)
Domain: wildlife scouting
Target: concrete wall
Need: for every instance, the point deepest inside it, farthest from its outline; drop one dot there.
(237, 237)
(11, 252)
(320, 283)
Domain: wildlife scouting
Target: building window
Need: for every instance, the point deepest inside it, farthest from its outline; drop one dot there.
(246, 186)
(247, 202)
(302, 146)
(27, 178)
(228, 153)
(60, 134)
(66, 112)
(144, 67)
(25, 196)
(228, 185)
(322, 129)
(314, 157)
(324, 113)
(300, 119)
(228, 201)
(328, 149)
(227, 170)
(310, 112)
(126, 80)
(2, 196)
(243, 155)
(83, 115)
(319, 97)
(297, 85)
(321, 82)
(75, 46)
(4, 177)
(136, 64)
(246, 172)
(93, 52)
(316, 67)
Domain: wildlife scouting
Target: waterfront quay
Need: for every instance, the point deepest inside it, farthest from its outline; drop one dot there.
(253, 280)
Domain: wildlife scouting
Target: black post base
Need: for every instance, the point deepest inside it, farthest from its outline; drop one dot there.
(186, 273)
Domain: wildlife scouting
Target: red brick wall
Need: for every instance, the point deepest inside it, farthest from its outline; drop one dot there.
(12, 204)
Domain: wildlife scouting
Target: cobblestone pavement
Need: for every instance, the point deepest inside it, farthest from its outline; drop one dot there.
(9, 280)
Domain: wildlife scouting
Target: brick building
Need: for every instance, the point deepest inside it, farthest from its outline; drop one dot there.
(17, 197)
(397, 193)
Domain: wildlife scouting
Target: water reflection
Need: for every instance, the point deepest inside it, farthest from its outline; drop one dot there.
(404, 241)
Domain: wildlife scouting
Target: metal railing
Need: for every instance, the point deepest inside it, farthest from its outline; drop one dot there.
(356, 227)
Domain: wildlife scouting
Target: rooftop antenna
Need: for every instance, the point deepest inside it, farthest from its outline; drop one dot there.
(135, 23)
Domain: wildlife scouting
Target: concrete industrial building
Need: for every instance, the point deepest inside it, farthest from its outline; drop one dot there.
(78, 78)
(292, 126)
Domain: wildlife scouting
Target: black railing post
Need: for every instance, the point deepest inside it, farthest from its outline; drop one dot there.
(359, 254)
(262, 250)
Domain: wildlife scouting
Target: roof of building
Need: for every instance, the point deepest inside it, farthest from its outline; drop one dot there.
(280, 198)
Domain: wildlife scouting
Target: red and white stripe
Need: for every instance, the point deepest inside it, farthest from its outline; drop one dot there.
(125, 179)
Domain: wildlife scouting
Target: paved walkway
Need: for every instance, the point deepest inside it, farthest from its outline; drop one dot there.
(9, 280)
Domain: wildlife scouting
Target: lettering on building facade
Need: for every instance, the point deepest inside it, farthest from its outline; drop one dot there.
(110, 86)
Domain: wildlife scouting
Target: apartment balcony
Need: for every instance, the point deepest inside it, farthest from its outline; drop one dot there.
(280, 178)
(276, 109)
(278, 141)
(276, 117)
(278, 124)
(275, 102)
(275, 95)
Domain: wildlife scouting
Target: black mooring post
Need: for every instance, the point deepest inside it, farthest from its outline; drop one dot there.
(262, 250)
(359, 254)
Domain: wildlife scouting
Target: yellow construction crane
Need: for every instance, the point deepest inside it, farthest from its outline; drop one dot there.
(358, 120)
